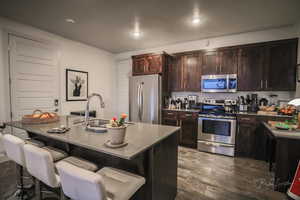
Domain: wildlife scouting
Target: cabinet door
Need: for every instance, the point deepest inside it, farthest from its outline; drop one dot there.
(228, 60)
(245, 140)
(251, 66)
(154, 64)
(175, 75)
(210, 63)
(192, 72)
(138, 66)
(189, 129)
(281, 66)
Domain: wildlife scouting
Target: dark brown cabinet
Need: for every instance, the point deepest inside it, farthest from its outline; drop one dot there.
(147, 64)
(251, 68)
(250, 138)
(188, 122)
(281, 66)
(192, 71)
(185, 73)
(228, 61)
(268, 66)
(210, 63)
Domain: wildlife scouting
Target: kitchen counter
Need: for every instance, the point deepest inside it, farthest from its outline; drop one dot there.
(256, 114)
(182, 110)
(152, 151)
(140, 136)
(283, 133)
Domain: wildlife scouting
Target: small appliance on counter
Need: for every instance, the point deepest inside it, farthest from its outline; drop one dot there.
(193, 100)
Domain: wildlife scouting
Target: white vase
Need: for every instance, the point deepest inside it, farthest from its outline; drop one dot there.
(116, 134)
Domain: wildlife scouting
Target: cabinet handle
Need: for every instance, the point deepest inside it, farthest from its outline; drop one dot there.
(261, 84)
(188, 115)
(266, 84)
(170, 113)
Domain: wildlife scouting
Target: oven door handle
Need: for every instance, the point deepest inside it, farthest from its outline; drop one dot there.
(217, 119)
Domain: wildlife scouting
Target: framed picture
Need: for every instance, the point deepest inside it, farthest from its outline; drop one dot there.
(76, 85)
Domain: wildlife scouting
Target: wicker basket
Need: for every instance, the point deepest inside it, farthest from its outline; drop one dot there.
(39, 117)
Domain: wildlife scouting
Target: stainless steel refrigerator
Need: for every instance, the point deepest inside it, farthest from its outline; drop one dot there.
(145, 99)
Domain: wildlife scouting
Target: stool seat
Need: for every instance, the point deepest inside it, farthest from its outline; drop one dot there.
(34, 142)
(56, 154)
(81, 163)
(120, 184)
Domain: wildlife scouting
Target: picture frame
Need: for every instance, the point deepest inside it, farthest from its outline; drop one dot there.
(77, 85)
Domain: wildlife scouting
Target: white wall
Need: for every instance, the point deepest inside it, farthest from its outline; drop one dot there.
(211, 43)
(99, 63)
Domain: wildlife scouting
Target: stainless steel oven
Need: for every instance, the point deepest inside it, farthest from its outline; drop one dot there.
(216, 133)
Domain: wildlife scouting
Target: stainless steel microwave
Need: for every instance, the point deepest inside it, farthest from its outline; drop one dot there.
(219, 83)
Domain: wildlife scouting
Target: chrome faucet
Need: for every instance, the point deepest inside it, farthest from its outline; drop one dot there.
(87, 110)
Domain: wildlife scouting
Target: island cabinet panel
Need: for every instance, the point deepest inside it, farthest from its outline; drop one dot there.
(147, 64)
(251, 141)
(251, 64)
(281, 66)
(228, 61)
(210, 63)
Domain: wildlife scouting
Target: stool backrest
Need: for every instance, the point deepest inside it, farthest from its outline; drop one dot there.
(81, 184)
(39, 163)
(14, 148)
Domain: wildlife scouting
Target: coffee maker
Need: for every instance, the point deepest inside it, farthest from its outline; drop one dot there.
(193, 100)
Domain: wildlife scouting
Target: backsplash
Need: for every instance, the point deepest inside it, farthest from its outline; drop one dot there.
(282, 95)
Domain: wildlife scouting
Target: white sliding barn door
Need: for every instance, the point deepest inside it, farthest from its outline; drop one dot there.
(34, 77)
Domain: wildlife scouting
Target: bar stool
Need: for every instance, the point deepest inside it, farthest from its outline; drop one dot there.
(40, 163)
(106, 184)
(14, 150)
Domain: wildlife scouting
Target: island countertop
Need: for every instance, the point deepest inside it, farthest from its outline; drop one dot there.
(283, 133)
(140, 136)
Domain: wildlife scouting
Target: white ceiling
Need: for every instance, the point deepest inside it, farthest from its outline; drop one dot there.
(108, 24)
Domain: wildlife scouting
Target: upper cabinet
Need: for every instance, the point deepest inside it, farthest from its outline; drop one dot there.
(281, 66)
(221, 61)
(268, 66)
(251, 65)
(228, 61)
(147, 64)
(185, 73)
(210, 63)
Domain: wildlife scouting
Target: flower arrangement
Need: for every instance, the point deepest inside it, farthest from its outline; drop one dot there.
(114, 122)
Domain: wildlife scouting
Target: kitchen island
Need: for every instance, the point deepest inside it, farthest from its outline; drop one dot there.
(151, 151)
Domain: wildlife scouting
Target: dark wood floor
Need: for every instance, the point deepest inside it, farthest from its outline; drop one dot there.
(202, 176)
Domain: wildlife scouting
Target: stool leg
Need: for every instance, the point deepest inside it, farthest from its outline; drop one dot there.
(38, 193)
(62, 194)
(21, 182)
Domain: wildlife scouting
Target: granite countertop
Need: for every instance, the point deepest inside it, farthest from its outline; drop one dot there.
(182, 110)
(282, 133)
(256, 114)
(140, 136)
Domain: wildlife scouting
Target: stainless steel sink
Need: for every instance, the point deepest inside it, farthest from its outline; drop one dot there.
(97, 125)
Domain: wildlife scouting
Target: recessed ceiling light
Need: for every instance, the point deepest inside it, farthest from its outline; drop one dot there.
(196, 20)
(69, 20)
(136, 34)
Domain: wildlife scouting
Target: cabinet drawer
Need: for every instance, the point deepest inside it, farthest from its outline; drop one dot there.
(247, 119)
(187, 116)
(169, 114)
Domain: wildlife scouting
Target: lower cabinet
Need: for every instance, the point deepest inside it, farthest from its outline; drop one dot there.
(251, 141)
(188, 122)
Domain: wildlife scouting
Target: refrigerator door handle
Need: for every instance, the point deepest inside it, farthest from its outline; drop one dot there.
(139, 100)
(142, 101)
